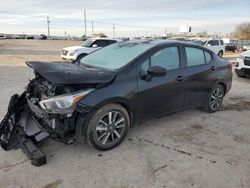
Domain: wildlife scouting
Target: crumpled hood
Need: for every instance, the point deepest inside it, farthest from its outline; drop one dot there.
(67, 73)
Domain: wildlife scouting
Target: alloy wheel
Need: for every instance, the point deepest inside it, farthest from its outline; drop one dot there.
(216, 99)
(110, 128)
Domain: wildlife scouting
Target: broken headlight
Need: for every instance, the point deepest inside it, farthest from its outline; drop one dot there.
(63, 104)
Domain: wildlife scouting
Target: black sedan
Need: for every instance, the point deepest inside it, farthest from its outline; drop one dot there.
(111, 90)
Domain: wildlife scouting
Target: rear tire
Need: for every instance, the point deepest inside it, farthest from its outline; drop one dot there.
(220, 54)
(107, 127)
(214, 99)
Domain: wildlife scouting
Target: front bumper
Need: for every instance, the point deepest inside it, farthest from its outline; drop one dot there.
(13, 135)
(68, 57)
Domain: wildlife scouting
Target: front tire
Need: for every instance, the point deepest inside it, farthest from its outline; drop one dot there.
(214, 99)
(108, 127)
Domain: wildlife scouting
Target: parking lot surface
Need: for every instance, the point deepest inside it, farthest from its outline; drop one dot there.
(187, 149)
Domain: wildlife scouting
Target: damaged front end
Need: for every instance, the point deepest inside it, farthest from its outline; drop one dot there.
(43, 110)
(51, 107)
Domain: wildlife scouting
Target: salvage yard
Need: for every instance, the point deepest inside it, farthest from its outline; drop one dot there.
(187, 149)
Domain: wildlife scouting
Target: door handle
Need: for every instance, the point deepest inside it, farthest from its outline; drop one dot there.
(213, 68)
(179, 78)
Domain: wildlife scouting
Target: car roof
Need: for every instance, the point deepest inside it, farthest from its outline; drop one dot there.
(157, 42)
(96, 38)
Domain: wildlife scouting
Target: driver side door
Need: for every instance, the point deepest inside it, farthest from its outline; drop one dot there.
(165, 94)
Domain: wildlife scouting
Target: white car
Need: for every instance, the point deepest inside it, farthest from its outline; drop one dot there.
(216, 45)
(75, 53)
(242, 68)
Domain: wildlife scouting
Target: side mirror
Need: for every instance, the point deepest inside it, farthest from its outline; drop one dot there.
(157, 71)
(94, 46)
(208, 45)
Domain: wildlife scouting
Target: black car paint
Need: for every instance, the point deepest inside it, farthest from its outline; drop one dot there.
(191, 91)
(67, 73)
(143, 98)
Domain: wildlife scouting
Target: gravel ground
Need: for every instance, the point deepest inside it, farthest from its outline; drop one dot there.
(187, 149)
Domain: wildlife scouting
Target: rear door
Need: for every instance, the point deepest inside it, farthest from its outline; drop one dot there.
(161, 95)
(201, 70)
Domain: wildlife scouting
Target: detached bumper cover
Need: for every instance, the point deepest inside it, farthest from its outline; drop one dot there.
(12, 134)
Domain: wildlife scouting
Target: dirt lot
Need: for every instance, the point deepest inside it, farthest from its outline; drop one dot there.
(187, 149)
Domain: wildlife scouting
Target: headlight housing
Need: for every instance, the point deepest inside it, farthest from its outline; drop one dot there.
(63, 104)
(72, 53)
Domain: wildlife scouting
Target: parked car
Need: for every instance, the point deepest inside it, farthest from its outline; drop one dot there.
(246, 47)
(230, 47)
(242, 68)
(8, 37)
(30, 37)
(110, 91)
(2, 36)
(216, 45)
(75, 53)
(43, 37)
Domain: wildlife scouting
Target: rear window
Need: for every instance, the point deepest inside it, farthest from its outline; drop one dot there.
(195, 56)
(221, 42)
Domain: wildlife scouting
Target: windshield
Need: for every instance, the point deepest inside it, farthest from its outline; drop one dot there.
(116, 55)
(88, 43)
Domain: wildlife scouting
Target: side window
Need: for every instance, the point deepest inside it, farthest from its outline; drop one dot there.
(167, 58)
(111, 42)
(100, 43)
(221, 42)
(211, 42)
(195, 56)
(216, 43)
(208, 56)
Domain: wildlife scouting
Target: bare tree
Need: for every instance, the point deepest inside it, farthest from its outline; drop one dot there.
(242, 31)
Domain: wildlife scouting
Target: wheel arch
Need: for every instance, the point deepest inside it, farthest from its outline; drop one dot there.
(83, 119)
(125, 103)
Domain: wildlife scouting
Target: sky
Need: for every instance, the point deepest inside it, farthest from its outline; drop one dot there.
(131, 17)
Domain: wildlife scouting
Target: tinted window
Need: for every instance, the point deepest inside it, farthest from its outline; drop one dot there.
(167, 58)
(195, 56)
(216, 42)
(221, 42)
(100, 43)
(208, 56)
(211, 42)
(111, 42)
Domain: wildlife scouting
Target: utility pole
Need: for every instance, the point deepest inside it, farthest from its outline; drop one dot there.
(113, 30)
(85, 24)
(92, 28)
(48, 23)
(65, 34)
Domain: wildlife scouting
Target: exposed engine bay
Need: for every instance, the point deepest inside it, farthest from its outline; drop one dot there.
(46, 109)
